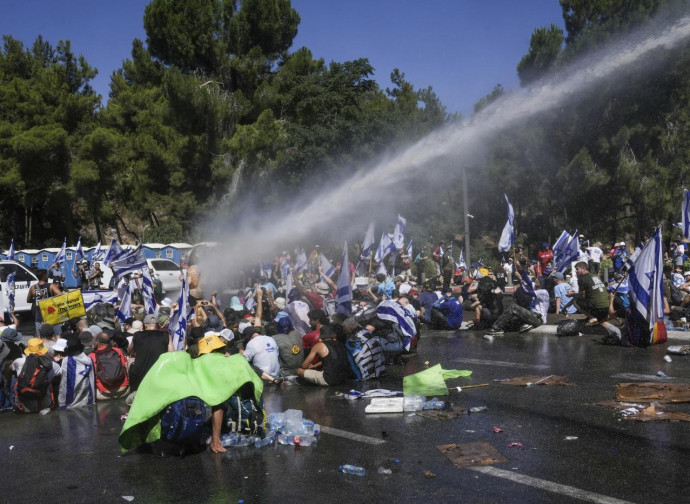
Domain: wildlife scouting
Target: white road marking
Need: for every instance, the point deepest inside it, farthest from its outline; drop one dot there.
(502, 363)
(549, 486)
(351, 435)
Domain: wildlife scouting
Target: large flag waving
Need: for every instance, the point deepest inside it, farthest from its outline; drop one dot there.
(508, 236)
(368, 243)
(559, 248)
(686, 214)
(343, 295)
(115, 251)
(97, 254)
(301, 261)
(178, 320)
(386, 246)
(62, 255)
(79, 252)
(399, 232)
(129, 263)
(646, 281)
(570, 253)
(326, 266)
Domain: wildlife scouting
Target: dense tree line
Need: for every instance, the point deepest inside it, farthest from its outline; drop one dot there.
(216, 104)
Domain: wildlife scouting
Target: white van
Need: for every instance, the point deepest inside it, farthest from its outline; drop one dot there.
(22, 283)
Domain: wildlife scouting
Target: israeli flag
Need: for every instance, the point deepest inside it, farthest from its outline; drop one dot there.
(386, 246)
(178, 319)
(11, 290)
(288, 282)
(250, 303)
(147, 290)
(399, 232)
(96, 256)
(115, 251)
(301, 262)
(10, 254)
(507, 237)
(343, 294)
(461, 262)
(79, 253)
(124, 311)
(686, 214)
(646, 281)
(130, 262)
(368, 243)
(409, 249)
(326, 266)
(62, 255)
(99, 296)
(559, 248)
(571, 252)
(404, 317)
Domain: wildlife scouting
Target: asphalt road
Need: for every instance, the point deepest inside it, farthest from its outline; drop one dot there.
(73, 456)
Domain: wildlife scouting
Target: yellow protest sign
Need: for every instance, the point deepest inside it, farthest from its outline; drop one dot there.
(59, 309)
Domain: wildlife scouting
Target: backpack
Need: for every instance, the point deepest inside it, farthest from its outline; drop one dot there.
(677, 295)
(243, 415)
(109, 369)
(365, 356)
(182, 422)
(568, 327)
(33, 381)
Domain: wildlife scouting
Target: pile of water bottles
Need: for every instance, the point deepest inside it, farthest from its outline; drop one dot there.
(285, 428)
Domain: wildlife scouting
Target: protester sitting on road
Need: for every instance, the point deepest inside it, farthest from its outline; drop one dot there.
(290, 352)
(446, 313)
(78, 383)
(564, 303)
(333, 367)
(317, 319)
(110, 365)
(47, 334)
(146, 347)
(262, 352)
(42, 396)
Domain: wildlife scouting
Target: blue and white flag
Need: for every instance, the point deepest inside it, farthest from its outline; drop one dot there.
(62, 254)
(409, 249)
(124, 292)
(368, 243)
(97, 254)
(115, 251)
(343, 294)
(404, 317)
(301, 261)
(288, 282)
(686, 214)
(147, 290)
(250, 303)
(129, 262)
(399, 232)
(507, 236)
(79, 253)
(461, 262)
(571, 253)
(559, 248)
(179, 318)
(646, 281)
(78, 382)
(10, 254)
(382, 269)
(11, 290)
(98, 296)
(326, 266)
(386, 246)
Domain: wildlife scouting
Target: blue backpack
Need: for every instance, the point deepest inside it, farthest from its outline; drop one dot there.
(183, 421)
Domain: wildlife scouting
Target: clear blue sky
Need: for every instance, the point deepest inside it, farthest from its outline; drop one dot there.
(462, 48)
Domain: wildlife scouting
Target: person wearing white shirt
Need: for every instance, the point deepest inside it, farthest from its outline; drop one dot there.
(595, 254)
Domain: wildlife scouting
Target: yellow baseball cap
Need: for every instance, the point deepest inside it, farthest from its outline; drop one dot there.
(209, 343)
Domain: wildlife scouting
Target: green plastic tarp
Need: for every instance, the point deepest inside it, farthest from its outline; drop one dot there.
(431, 382)
(213, 378)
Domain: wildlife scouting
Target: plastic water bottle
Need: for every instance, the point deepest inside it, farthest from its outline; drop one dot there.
(286, 439)
(276, 421)
(351, 469)
(317, 429)
(413, 403)
(478, 409)
(308, 426)
(434, 404)
(383, 470)
(229, 440)
(245, 440)
(304, 440)
(270, 436)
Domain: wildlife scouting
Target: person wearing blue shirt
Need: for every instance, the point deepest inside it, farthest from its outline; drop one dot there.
(564, 303)
(385, 287)
(451, 308)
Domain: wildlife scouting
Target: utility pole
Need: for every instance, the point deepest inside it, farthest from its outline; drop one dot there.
(467, 220)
